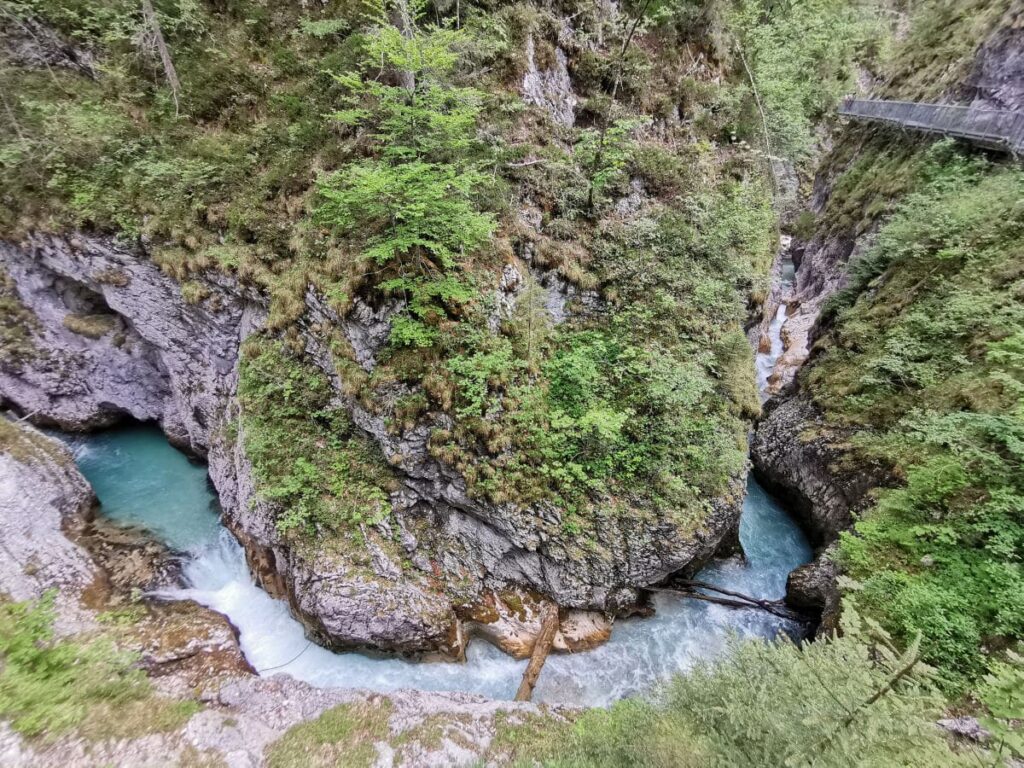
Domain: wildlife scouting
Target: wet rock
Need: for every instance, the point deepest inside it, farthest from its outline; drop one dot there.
(188, 643)
(129, 557)
(965, 728)
(996, 80)
(353, 611)
(511, 620)
(812, 588)
(506, 297)
(631, 204)
(795, 456)
(171, 361)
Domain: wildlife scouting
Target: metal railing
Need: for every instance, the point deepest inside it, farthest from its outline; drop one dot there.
(995, 128)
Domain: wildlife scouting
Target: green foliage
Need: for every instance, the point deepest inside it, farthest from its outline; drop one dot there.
(605, 155)
(410, 194)
(937, 51)
(802, 58)
(109, 154)
(645, 405)
(17, 325)
(322, 474)
(924, 361)
(49, 686)
(417, 212)
(838, 702)
(414, 202)
(1002, 693)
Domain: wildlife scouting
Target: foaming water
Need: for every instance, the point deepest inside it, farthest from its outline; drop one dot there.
(765, 361)
(140, 479)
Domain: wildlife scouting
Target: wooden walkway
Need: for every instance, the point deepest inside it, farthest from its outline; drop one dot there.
(993, 128)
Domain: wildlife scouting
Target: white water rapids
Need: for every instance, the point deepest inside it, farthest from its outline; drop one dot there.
(139, 478)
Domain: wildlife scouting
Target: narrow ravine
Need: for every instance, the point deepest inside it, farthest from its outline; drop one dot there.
(140, 479)
(771, 347)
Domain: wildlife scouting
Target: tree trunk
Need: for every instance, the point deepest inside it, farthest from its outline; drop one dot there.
(687, 588)
(402, 20)
(541, 649)
(149, 16)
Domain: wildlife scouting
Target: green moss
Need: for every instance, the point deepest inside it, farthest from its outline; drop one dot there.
(344, 735)
(420, 203)
(323, 474)
(27, 446)
(50, 686)
(91, 326)
(17, 325)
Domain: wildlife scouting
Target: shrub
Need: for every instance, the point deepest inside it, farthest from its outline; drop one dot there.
(51, 685)
(848, 701)
(924, 361)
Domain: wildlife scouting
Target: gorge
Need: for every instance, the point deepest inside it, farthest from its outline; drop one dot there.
(351, 352)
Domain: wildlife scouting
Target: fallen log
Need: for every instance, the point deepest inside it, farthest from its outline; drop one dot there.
(541, 649)
(732, 599)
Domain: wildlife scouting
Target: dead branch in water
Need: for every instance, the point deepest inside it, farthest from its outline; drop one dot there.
(541, 649)
(733, 599)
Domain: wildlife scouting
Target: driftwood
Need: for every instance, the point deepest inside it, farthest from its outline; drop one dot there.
(688, 588)
(541, 649)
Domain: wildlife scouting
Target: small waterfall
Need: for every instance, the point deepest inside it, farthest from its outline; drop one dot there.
(770, 346)
(765, 361)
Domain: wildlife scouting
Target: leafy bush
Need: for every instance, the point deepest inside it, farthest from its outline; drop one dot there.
(924, 361)
(49, 686)
(323, 475)
(413, 203)
(801, 56)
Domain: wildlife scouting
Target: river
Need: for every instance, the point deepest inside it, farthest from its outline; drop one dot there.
(140, 479)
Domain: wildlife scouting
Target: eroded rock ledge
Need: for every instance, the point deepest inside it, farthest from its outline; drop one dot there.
(111, 337)
(795, 456)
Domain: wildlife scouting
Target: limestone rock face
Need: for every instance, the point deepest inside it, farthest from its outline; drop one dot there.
(41, 494)
(113, 337)
(162, 359)
(550, 87)
(812, 588)
(52, 542)
(996, 80)
(794, 456)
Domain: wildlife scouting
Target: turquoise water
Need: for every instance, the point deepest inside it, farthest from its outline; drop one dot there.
(141, 479)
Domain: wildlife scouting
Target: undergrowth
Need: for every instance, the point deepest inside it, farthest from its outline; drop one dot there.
(847, 701)
(50, 686)
(322, 474)
(925, 360)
